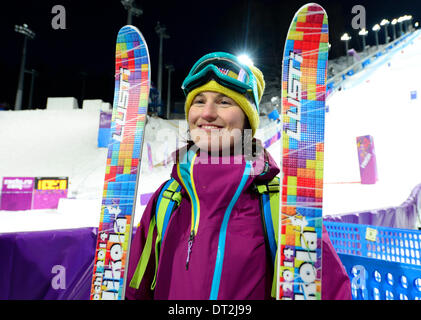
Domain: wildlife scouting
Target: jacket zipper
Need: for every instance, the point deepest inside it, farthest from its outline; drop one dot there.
(189, 247)
(186, 175)
(223, 233)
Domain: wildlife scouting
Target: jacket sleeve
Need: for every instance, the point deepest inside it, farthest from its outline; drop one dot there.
(335, 281)
(144, 291)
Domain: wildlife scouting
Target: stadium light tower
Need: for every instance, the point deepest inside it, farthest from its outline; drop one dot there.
(34, 74)
(170, 68)
(384, 24)
(401, 20)
(132, 10)
(376, 30)
(27, 33)
(363, 33)
(409, 23)
(161, 31)
(394, 22)
(345, 37)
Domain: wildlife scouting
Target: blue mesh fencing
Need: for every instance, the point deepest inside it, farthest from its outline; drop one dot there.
(382, 263)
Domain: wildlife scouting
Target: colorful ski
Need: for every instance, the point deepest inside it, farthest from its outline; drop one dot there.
(132, 83)
(303, 117)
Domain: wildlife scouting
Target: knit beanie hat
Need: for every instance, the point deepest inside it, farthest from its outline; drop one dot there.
(250, 110)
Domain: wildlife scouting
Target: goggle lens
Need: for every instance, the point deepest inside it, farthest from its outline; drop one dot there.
(226, 67)
(227, 71)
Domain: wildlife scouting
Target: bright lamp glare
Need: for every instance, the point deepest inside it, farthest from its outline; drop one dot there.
(245, 59)
(384, 22)
(376, 27)
(345, 37)
(363, 32)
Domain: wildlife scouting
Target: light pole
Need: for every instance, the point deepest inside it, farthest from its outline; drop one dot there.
(405, 24)
(384, 24)
(363, 33)
(170, 69)
(376, 29)
(160, 30)
(394, 22)
(28, 33)
(132, 10)
(409, 23)
(401, 20)
(34, 74)
(345, 37)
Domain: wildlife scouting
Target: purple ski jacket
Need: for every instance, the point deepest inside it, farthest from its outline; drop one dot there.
(227, 258)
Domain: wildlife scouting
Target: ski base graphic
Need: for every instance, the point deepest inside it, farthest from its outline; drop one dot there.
(303, 115)
(132, 83)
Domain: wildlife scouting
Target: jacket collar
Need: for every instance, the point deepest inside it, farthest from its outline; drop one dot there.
(263, 164)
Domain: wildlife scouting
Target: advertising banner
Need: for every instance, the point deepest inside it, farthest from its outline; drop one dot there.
(16, 193)
(48, 191)
(367, 160)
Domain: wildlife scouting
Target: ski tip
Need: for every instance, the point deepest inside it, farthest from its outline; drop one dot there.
(312, 5)
(129, 27)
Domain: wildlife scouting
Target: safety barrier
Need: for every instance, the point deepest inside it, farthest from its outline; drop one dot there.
(382, 263)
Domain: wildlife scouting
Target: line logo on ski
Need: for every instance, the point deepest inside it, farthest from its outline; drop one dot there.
(123, 101)
(294, 93)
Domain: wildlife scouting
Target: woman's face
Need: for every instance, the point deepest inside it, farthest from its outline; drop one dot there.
(216, 122)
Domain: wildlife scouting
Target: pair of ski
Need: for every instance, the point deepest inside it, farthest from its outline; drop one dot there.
(303, 111)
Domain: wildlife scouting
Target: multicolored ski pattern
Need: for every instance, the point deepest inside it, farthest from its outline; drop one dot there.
(132, 83)
(303, 119)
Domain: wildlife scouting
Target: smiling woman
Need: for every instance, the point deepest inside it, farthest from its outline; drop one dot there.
(216, 122)
(208, 223)
(222, 104)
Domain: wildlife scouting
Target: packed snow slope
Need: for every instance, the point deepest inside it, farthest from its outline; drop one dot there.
(375, 102)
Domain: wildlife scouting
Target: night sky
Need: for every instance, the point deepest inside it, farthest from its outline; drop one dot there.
(82, 55)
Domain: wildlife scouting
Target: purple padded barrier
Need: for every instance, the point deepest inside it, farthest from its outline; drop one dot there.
(144, 198)
(402, 217)
(27, 260)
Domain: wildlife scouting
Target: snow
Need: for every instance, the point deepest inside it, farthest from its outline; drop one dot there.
(376, 102)
(53, 143)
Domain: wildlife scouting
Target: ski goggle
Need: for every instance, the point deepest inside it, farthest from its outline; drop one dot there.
(225, 69)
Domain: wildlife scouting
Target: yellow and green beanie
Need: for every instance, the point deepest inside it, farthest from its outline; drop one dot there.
(246, 105)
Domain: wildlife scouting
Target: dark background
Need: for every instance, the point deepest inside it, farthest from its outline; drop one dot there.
(79, 61)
